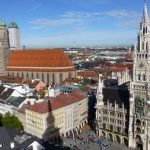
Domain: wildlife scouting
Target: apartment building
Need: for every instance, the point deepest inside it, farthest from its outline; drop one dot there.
(58, 116)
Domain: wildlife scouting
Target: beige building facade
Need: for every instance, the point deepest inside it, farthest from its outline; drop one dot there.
(62, 118)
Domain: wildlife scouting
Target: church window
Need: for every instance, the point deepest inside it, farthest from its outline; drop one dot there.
(146, 46)
(143, 30)
(37, 75)
(146, 56)
(140, 56)
(146, 29)
(143, 46)
(47, 77)
(144, 78)
(60, 77)
(27, 75)
(32, 75)
(22, 75)
(17, 74)
(42, 76)
(69, 75)
(139, 77)
(53, 78)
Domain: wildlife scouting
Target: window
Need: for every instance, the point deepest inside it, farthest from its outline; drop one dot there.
(139, 77)
(60, 77)
(143, 30)
(147, 46)
(143, 46)
(144, 78)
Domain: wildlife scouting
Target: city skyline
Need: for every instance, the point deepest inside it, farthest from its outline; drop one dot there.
(70, 23)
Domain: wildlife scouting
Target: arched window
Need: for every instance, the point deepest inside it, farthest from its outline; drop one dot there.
(146, 29)
(32, 75)
(143, 30)
(139, 77)
(142, 56)
(22, 75)
(42, 76)
(27, 75)
(47, 77)
(143, 46)
(144, 77)
(147, 46)
(69, 75)
(146, 56)
(53, 78)
(37, 75)
(60, 77)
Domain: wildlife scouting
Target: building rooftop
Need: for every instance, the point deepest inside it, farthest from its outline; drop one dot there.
(13, 25)
(15, 101)
(58, 102)
(2, 23)
(39, 60)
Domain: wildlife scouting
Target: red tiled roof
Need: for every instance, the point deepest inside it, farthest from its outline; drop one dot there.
(88, 74)
(54, 103)
(38, 59)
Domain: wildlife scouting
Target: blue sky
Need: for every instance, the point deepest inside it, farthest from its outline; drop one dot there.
(73, 23)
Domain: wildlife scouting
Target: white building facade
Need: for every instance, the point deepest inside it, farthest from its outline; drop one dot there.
(14, 36)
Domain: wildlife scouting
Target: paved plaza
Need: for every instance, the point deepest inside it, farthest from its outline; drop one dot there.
(90, 141)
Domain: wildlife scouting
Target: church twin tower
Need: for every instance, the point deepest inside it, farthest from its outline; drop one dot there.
(9, 40)
(139, 120)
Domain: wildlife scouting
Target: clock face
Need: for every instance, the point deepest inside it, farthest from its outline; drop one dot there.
(141, 65)
(6, 44)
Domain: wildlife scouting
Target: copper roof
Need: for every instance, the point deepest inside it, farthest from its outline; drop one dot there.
(38, 60)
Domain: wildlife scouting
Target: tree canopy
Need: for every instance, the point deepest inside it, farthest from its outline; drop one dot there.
(11, 121)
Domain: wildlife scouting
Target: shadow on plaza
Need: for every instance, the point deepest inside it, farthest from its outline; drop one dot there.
(52, 139)
(91, 109)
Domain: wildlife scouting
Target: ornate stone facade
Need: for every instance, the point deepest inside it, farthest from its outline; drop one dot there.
(112, 112)
(139, 126)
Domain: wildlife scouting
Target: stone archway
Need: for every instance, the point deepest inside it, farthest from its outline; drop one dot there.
(139, 143)
(125, 140)
(110, 137)
(118, 139)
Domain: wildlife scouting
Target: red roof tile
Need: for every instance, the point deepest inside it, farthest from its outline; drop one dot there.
(54, 103)
(38, 59)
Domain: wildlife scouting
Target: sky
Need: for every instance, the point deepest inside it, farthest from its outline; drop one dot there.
(74, 23)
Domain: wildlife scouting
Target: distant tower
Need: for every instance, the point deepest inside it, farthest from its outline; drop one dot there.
(14, 36)
(4, 47)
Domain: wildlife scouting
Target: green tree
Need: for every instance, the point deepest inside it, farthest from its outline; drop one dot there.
(11, 121)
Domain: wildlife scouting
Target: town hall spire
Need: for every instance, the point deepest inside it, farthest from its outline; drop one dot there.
(145, 13)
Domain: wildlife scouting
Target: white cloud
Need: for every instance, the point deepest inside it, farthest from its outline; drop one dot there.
(83, 18)
(34, 8)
